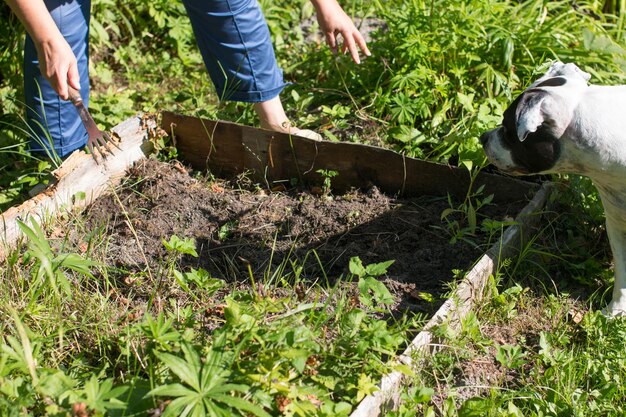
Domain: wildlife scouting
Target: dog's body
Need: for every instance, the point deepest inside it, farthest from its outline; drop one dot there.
(561, 124)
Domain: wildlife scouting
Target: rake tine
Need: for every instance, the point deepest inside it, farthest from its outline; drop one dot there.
(111, 141)
(97, 146)
(101, 143)
(92, 152)
(106, 141)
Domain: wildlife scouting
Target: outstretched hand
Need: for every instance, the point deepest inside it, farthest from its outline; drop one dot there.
(334, 21)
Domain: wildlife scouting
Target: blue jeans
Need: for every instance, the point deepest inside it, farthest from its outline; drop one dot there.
(55, 122)
(233, 38)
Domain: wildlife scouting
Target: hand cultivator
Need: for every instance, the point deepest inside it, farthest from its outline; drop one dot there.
(97, 138)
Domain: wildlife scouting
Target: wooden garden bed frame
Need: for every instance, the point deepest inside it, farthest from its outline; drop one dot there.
(228, 149)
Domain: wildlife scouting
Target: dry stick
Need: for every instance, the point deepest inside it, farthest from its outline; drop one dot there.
(209, 135)
(132, 345)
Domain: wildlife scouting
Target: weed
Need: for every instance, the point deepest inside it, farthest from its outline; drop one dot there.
(50, 268)
(327, 175)
(462, 220)
(204, 387)
(258, 355)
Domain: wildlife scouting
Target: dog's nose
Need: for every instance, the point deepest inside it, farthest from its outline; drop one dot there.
(483, 139)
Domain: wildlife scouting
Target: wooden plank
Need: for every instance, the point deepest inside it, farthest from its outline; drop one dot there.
(228, 149)
(79, 181)
(469, 292)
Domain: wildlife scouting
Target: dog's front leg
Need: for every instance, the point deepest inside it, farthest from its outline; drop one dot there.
(616, 229)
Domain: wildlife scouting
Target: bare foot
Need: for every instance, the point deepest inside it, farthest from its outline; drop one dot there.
(272, 116)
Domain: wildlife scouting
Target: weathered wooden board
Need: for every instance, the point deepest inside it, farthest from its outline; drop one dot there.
(229, 149)
(79, 181)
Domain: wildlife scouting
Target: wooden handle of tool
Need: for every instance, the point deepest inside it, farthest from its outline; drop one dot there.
(74, 94)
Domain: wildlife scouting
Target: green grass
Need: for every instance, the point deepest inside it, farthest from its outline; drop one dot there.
(21, 171)
(441, 73)
(525, 353)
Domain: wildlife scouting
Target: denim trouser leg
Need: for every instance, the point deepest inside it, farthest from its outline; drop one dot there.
(45, 111)
(236, 47)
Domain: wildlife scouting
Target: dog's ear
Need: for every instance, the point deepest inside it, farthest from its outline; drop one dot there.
(569, 71)
(528, 114)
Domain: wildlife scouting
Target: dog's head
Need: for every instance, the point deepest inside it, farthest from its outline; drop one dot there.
(529, 139)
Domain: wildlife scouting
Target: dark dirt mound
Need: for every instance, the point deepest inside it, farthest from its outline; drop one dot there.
(241, 229)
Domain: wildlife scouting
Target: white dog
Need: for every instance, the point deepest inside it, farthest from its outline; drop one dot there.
(562, 124)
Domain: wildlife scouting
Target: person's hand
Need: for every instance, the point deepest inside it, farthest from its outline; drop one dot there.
(56, 59)
(58, 64)
(334, 21)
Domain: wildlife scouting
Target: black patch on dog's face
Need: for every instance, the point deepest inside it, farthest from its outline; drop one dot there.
(541, 149)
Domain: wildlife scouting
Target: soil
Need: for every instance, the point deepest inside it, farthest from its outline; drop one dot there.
(241, 229)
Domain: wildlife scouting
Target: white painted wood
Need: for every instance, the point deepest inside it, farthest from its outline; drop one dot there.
(78, 176)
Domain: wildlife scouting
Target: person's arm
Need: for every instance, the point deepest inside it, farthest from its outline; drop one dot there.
(333, 21)
(56, 59)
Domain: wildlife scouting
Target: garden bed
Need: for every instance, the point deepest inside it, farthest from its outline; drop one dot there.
(240, 230)
(256, 202)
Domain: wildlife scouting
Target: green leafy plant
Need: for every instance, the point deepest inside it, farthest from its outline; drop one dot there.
(200, 278)
(99, 397)
(372, 291)
(50, 267)
(226, 230)
(462, 219)
(203, 388)
(185, 246)
(327, 175)
(177, 247)
(510, 356)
